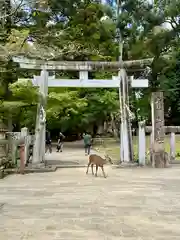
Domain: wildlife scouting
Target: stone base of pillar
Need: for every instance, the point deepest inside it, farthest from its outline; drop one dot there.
(161, 159)
(128, 164)
(36, 165)
(1, 172)
(3, 160)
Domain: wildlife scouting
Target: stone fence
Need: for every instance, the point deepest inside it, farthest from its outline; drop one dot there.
(171, 130)
(9, 147)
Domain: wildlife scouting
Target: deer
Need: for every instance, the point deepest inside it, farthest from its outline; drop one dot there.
(95, 159)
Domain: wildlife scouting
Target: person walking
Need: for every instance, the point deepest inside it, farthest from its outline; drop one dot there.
(87, 143)
(60, 142)
(48, 142)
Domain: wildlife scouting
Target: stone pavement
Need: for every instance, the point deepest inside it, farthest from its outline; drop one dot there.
(73, 154)
(131, 204)
(69, 156)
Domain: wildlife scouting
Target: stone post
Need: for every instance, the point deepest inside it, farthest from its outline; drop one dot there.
(151, 149)
(158, 133)
(142, 144)
(13, 151)
(121, 146)
(22, 158)
(15, 137)
(24, 135)
(172, 146)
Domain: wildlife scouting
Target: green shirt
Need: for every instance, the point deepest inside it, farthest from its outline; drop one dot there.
(87, 139)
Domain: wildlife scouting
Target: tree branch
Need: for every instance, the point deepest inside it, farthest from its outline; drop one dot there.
(13, 12)
(4, 54)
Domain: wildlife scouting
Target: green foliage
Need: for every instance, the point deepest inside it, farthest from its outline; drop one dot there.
(24, 91)
(85, 34)
(79, 109)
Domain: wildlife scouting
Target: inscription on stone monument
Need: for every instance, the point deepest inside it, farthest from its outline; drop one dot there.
(158, 117)
(158, 103)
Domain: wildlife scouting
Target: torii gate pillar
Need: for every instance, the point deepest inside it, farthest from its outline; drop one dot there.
(40, 130)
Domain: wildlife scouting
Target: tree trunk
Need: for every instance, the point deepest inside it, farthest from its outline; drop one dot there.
(114, 128)
(100, 129)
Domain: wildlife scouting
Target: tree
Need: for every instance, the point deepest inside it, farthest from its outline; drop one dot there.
(149, 30)
(85, 30)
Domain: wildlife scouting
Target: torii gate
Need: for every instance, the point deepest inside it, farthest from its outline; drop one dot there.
(120, 81)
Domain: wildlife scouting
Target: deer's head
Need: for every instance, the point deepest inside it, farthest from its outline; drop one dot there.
(107, 158)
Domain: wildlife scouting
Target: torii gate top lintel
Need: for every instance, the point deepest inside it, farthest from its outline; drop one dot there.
(81, 65)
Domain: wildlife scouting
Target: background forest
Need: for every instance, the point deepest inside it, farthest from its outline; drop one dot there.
(87, 30)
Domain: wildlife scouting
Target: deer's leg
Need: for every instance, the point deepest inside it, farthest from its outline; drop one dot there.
(92, 169)
(103, 172)
(88, 167)
(96, 170)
